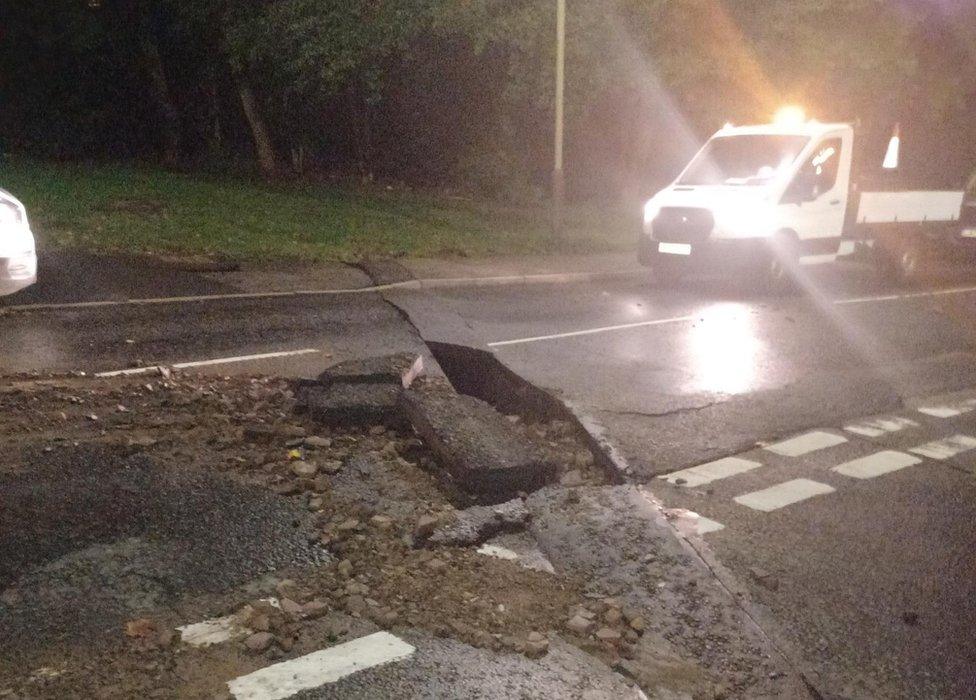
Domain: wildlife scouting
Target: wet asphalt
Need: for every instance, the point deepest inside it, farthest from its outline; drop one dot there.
(89, 537)
(872, 583)
(678, 376)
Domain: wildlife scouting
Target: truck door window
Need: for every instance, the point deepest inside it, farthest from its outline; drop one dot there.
(818, 174)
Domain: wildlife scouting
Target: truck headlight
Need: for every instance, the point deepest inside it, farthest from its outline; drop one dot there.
(651, 210)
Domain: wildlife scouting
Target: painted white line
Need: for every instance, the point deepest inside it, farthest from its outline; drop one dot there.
(787, 493)
(713, 471)
(689, 523)
(206, 363)
(940, 411)
(705, 525)
(493, 550)
(221, 629)
(876, 427)
(316, 669)
(593, 331)
(808, 442)
(912, 295)
(944, 449)
(877, 464)
(949, 411)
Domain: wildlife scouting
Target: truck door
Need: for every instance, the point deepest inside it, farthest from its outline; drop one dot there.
(816, 199)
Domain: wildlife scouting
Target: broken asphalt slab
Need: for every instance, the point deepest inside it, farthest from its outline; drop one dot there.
(616, 539)
(475, 444)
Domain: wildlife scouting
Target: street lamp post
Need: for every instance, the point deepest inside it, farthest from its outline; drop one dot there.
(558, 178)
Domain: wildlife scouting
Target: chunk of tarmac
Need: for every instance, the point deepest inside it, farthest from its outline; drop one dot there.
(475, 443)
(360, 392)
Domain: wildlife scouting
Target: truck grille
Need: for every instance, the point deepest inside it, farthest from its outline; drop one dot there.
(683, 225)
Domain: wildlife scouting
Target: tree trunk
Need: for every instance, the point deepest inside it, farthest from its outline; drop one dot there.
(169, 123)
(267, 160)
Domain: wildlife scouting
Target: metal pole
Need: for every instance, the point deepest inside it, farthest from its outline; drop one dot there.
(558, 179)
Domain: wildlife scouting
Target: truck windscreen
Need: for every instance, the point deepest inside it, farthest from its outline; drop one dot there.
(744, 159)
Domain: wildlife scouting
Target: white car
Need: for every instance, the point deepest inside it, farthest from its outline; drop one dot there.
(18, 255)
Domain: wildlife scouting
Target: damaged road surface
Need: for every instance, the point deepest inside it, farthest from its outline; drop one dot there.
(817, 450)
(197, 538)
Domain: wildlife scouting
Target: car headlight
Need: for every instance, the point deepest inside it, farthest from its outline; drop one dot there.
(651, 210)
(10, 214)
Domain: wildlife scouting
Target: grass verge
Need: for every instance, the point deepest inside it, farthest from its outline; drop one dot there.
(123, 208)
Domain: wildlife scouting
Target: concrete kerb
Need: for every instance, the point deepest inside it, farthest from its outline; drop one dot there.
(416, 284)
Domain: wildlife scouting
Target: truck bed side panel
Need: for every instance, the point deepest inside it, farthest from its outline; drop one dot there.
(908, 207)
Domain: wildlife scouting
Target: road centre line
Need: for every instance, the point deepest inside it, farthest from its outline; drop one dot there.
(685, 319)
(314, 670)
(206, 363)
(909, 295)
(593, 331)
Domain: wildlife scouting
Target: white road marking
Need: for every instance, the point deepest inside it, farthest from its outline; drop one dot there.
(218, 630)
(940, 411)
(206, 363)
(944, 449)
(912, 295)
(688, 522)
(713, 471)
(808, 442)
(493, 550)
(876, 427)
(949, 411)
(705, 525)
(877, 464)
(283, 680)
(593, 331)
(787, 493)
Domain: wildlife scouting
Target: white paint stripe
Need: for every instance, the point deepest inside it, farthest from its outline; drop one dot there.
(877, 464)
(713, 471)
(688, 522)
(940, 411)
(314, 670)
(493, 550)
(808, 442)
(912, 295)
(787, 493)
(876, 427)
(704, 525)
(593, 331)
(949, 410)
(944, 449)
(206, 363)
(219, 630)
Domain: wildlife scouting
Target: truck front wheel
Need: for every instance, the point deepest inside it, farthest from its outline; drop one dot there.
(782, 263)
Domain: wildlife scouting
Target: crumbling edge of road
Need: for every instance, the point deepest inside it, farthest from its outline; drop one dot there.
(479, 372)
(482, 374)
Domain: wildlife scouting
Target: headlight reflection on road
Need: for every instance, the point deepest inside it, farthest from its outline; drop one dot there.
(724, 350)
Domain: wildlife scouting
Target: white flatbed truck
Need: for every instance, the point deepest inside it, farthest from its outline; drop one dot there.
(777, 196)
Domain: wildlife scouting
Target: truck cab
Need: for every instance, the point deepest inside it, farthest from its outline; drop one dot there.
(775, 196)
